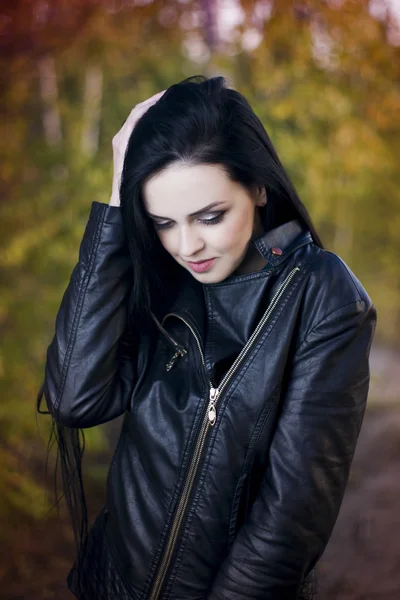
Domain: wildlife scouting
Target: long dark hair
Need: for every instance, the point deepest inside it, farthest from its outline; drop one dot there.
(197, 121)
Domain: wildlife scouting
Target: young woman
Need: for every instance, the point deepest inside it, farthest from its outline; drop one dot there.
(205, 309)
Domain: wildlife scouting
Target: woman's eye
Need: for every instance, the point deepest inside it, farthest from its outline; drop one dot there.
(213, 220)
(217, 218)
(161, 225)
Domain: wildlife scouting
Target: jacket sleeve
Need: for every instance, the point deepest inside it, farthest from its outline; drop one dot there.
(292, 517)
(89, 372)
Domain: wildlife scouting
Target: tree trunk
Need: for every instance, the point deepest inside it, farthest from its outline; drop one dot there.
(92, 110)
(49, 93)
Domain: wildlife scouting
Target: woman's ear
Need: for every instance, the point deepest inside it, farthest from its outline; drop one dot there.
(261, 196)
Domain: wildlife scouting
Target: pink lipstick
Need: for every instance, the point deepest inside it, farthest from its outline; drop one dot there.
(201, 266)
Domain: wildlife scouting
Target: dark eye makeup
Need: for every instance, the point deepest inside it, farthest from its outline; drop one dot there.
(213, 221)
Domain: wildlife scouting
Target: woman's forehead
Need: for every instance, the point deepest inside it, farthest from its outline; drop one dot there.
(188, 189)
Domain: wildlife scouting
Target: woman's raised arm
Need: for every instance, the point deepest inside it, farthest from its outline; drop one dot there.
(87, 377)
(90, 368)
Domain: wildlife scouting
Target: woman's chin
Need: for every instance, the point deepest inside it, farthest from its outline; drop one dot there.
(211, 277)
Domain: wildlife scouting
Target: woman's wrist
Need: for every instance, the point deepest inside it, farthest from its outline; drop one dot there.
(114, 200)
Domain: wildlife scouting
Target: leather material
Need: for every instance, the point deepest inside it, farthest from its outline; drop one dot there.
(270, 478)
(103, 580)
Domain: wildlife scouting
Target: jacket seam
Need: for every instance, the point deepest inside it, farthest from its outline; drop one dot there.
(305, 339)
(145, 470)
(249, 458)
(79, 307)
(341, 262)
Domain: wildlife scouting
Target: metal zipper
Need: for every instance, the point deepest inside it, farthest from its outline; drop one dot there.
(172, 314)
(209, 419)
(180, 350)
(255, 333)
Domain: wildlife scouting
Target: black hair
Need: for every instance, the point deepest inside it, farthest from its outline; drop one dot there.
(199, 120)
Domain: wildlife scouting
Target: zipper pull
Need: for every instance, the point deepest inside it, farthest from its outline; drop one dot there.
(212, 411)
(180, 352)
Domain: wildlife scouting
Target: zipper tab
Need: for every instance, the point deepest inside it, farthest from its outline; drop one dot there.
(212, 411)
(180, 352)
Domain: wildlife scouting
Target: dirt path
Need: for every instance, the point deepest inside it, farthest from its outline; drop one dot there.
(362, 559)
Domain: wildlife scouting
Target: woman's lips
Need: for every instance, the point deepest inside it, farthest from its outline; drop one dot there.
(200, 267)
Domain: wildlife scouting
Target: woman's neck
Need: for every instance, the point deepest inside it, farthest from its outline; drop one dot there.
(253, 260)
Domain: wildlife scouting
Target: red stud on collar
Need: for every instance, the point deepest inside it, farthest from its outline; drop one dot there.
(277, 251)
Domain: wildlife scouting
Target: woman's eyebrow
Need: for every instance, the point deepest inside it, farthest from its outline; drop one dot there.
(197, 212)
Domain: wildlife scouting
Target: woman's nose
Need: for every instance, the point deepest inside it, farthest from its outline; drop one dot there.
(190, 242)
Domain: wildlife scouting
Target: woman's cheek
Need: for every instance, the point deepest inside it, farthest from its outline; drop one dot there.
(235, 237)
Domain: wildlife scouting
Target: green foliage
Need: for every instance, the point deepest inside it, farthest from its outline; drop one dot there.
(323, 80)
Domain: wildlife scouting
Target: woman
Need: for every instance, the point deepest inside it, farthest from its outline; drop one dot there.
(205, 310)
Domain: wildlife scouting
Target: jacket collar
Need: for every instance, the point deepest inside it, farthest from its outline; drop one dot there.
(276, 244)
(285, 238)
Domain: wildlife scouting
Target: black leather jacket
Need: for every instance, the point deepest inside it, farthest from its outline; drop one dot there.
(240, 420)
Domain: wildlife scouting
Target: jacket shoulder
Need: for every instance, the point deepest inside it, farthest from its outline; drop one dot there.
(331, 283)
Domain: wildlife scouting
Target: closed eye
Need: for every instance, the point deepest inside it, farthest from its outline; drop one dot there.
(210, 221)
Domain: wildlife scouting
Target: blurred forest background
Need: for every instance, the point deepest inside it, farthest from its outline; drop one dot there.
(324, 78)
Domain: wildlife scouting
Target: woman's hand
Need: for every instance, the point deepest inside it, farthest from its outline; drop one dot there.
(120, 142)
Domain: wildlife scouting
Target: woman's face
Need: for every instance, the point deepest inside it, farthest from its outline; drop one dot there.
(200, 214)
